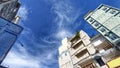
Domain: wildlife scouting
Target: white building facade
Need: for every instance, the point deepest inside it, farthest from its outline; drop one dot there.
(106, 20)
(81, 51)
(65, 60)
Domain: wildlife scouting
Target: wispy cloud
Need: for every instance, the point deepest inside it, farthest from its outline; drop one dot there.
(63, 34)
(66, 16)
(20, 60)
(48, 40)
(23, 12)
(33, 54)
(42, 52)
(23, 57)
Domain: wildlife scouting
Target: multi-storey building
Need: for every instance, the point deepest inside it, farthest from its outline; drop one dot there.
(105, 51)
(86, 52)
(9, 30)
(106, 20)
(65, 60)
(9, 9)
(80, 49)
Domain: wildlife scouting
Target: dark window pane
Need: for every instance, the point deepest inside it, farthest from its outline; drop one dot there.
(96, 24)
(112, 36)
(6, 40)
(99, 61)
(102, 29)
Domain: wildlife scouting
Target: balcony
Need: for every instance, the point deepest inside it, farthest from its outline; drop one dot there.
(110, 54)
(74, 39)
(77, 44)
(103, 45)
(80, 61)
(80, 55)
(88, 62)
(77, 47)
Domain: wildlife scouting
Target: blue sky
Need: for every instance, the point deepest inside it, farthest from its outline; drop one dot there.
(46, 23)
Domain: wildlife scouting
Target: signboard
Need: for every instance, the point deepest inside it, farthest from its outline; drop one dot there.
(115, 63)
(9, 33)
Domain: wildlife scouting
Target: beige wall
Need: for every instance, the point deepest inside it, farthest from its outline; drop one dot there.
(64, 55)
(82, 48)
(82, 52)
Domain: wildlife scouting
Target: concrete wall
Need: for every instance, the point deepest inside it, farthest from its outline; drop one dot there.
(64, 55)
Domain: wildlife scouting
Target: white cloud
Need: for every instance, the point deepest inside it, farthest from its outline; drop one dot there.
(15, 59)
(23, 12)
(20, 57)
(65, 16)
(23, 59)
(48, 58)
(47, 40)
(63, 34)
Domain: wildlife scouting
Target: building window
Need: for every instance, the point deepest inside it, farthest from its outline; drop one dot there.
(96, 24)
(102, 29)
(65, 54)
(82, 53)
(112, 11)
(118, 15)
(77, 45)
(118, 43)
(111, 35)
(104, 8)
(91, 20)
(99, 60)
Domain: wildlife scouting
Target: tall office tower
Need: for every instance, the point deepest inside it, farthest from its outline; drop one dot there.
(9, 9)
(106, 20)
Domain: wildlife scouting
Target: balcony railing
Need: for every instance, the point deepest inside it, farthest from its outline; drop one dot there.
(77, 44)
